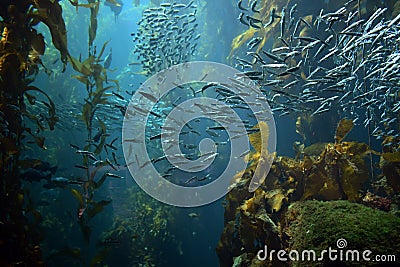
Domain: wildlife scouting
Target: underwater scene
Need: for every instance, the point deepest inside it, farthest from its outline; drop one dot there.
(199, 133)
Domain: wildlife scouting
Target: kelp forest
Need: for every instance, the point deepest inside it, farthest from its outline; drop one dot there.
(328, 70)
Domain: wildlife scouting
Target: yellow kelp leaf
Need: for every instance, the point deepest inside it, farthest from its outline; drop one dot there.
(99, 79)
(396, 9)
(50, 13)
(99, 96)
(354, 176)
(315, 149)
(392, 156)
(305, 31)
(241, 39)
(343, 128)
(97, 207)
(102, 50)
(319, 186)
(355, 148)
(82, 79)
(116, 83)
(50, 105)
(87, 113)
(78, 196)
(255, 138)
(93, 24)
(300, 127)
(87, 63)
(79, 66)
(100, 146)
(307, 163)
(275, 199)
(37, 42)
(259, 141)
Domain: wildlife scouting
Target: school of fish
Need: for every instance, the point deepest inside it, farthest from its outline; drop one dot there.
(166, 36)
(340, 63)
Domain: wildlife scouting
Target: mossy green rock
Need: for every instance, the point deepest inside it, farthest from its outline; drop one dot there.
(317, 225)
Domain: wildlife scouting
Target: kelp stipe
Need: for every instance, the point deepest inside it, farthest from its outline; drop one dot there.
(21, 47)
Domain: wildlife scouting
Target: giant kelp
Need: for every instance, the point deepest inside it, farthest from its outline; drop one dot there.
(21, 47)
(93, 75)
(28, 110)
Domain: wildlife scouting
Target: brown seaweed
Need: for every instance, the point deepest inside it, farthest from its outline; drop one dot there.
(330, 171)
(343, 128)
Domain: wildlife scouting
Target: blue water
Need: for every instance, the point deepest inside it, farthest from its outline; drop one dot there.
(180, 237)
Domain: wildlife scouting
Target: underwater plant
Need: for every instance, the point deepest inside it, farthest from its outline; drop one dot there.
(325, 172)
(93, 75)
(21, 47)
(143, 227)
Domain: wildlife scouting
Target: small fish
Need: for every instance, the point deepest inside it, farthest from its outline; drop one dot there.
(240, 6)
(273, 56)
(112, 175)
(242, 20)
(96, 138)
(148, 96)
(157, 136)
(74, 146)
(204, 178)
(113, 141)
(212, 156)
(111, 165)
(283, 21)
(275, 66)
(118, 95)
(292, 10)
(253, 7)
(212, 133)
(114, 158)
(194, 215)
(190, 180)
(216, 128)
(159, 159)
(272, 17)
(84, 152)
(254, 42)
(80, 166)
(205, 87)
(111, 146)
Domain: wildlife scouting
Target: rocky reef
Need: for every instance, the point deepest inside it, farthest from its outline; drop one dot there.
(327, 193)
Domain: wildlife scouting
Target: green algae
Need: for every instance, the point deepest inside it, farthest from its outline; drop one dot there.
(318, 225)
